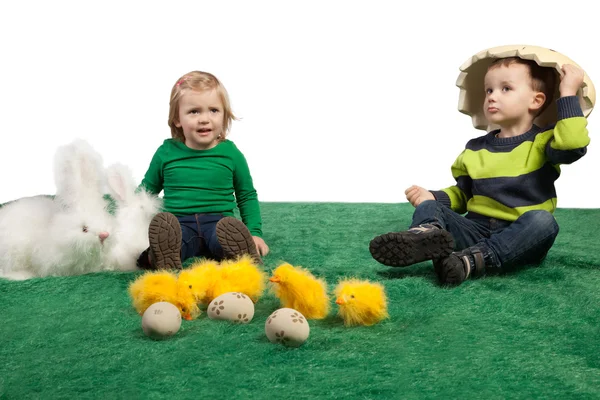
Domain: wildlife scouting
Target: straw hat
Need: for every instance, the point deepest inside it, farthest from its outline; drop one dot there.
(472, 93)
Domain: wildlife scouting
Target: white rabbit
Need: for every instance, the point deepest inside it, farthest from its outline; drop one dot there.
(135, 209)
(41, 236)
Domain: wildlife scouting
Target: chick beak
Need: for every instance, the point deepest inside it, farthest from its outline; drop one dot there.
(275, 279)
(187, 317)
(340, 301)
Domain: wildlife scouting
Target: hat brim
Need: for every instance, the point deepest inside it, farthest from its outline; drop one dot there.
(471, 82)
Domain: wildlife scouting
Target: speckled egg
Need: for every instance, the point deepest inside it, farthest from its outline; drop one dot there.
(161, 320)
(232, 306)
(288, 327)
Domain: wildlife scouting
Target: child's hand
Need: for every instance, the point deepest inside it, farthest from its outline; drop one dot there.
(416, 195)
(571, 80)
(261, 246)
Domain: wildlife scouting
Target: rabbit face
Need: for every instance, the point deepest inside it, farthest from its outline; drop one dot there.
(78, 241)
(84, 232)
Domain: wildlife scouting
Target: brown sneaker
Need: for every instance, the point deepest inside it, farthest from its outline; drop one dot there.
(421, 243)
(459, 265)
(235, 239)
(164, 236)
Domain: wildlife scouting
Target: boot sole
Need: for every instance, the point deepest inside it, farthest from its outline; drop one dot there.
(401, 249)
(235, 239)
(164, 235)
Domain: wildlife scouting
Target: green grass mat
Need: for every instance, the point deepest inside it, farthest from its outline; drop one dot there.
(533, 333)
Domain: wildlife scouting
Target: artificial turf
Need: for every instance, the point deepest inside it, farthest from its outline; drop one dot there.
(530, 333)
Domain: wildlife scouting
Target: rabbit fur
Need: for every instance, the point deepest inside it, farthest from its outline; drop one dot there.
(135, 209)
(67, 235)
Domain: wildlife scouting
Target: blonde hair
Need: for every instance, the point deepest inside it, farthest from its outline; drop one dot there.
(543, 79)
(199, 81)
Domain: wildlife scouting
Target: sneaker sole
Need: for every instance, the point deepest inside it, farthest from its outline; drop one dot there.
(164, 235)
(235, 239)
(401, 249)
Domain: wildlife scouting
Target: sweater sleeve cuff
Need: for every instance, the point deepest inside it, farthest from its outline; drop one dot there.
(256, 232)
(568, 107)
(441, 197)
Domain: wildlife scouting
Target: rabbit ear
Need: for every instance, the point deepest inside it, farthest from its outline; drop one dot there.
(120, 182)
(78, 174)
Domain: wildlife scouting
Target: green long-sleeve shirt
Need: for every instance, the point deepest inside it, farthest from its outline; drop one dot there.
(204, 182)
(506, 177)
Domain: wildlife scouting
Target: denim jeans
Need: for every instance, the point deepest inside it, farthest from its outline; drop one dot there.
(503, 243)
(199, 236)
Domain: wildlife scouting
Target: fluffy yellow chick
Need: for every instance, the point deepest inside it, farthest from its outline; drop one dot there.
(297, 288)
(153, 287)
(191, 284)
(361, 302)
(240, 275)
(204, 274)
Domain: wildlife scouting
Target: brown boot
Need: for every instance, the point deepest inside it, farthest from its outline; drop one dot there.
(164, 235)
(460, 265)
(421, 243)
(235, 239)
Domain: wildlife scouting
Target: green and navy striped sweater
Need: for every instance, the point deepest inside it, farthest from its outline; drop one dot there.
(505, 177)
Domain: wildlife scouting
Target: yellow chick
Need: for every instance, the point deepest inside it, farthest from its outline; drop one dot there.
(191, 285)
(153, 287)
(297, 288)
(361, 302)
(241, 275)
(204, 274)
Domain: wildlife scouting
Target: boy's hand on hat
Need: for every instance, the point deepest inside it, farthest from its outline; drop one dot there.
(261, 246)
(571, 80)
(416, 195)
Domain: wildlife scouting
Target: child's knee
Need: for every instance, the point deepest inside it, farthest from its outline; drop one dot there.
(543, 220)
(427, 205)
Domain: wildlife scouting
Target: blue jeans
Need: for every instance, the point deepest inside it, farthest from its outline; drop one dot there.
(199, 236)
(503, 243)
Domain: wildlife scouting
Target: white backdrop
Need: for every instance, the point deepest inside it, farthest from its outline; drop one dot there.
(339, 100)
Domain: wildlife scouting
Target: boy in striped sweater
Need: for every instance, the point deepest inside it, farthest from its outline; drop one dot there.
(504, 181)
